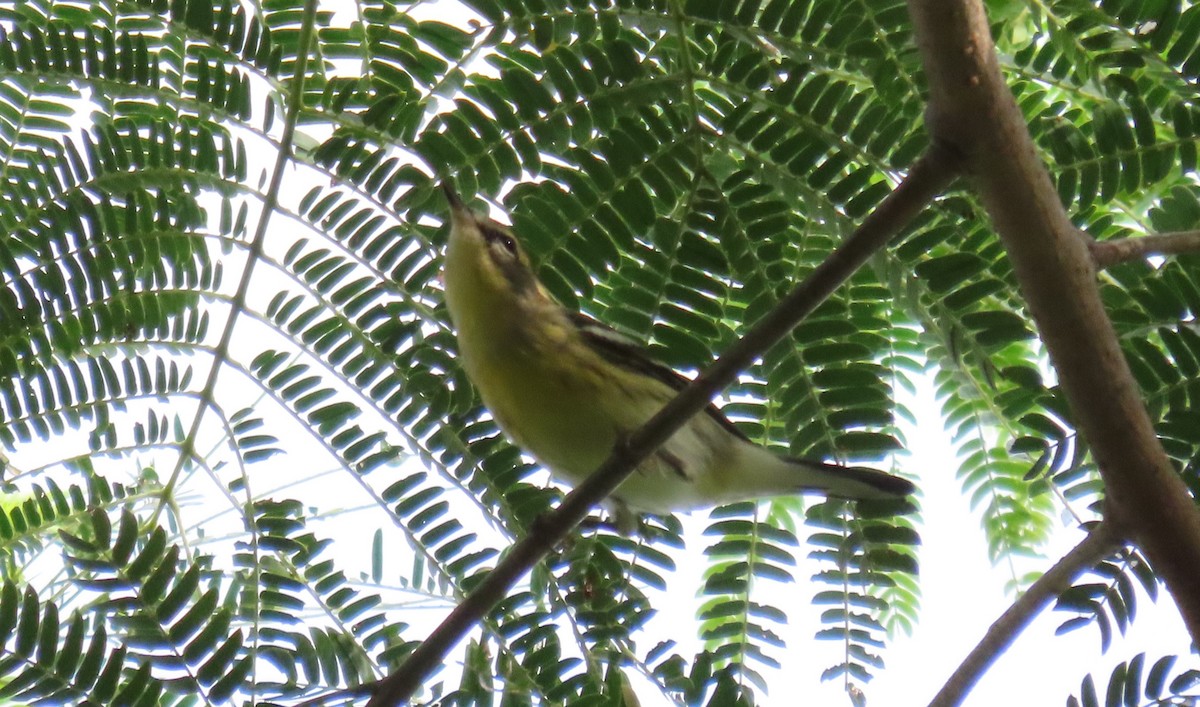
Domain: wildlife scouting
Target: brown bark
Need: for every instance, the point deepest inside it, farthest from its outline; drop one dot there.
(1119, 250)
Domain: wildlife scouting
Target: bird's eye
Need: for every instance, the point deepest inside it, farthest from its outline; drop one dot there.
(494, 235)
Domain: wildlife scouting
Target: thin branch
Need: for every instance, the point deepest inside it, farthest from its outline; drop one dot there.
(1119, 250)
(1101, 542)
(972, 109)
(255, 252)
(928, 178)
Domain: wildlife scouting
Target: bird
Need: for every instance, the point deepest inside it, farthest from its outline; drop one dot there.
(565, 388)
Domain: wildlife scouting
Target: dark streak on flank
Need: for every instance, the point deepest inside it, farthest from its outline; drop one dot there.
(674, 462)
(621, 351)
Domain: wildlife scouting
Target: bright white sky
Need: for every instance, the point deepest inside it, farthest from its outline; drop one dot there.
(963, 593)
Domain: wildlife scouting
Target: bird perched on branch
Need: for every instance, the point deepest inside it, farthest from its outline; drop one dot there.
(565, 387)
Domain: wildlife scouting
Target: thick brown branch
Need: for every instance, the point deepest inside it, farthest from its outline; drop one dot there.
(1100, 543)
(928, 178)
(972, 109)
(1106, 253)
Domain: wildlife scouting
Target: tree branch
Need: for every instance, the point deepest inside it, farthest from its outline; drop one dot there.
(1119, 250)
(972, 109)
(928, 178)
(1101, 542)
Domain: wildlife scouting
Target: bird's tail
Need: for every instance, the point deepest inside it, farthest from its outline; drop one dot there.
(766, 473)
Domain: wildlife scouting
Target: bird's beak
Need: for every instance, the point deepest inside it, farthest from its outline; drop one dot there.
(457, 207)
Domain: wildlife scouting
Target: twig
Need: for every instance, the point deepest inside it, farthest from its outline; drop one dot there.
(1100, 543)
(928, 178)
(1118, 250)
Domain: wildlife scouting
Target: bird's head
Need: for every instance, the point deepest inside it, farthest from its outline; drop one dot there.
(484, 254)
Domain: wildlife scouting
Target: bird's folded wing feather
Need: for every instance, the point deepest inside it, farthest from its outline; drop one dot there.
(620, 350)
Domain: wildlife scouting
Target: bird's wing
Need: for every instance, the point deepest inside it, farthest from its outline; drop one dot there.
(620, 350)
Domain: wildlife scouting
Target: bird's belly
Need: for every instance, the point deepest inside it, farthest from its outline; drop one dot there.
(553, 419)
(569, 438)
(570, 424)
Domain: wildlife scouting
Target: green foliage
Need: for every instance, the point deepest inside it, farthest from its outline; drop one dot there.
(1112, 601)
(1131, 685)
(209, 380)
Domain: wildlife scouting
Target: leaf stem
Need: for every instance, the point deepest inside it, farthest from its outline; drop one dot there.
(255, 252)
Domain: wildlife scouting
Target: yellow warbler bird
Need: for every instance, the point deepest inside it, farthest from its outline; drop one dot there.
(564, 387)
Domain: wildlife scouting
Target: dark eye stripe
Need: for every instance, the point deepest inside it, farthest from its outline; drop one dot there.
(493, 235)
